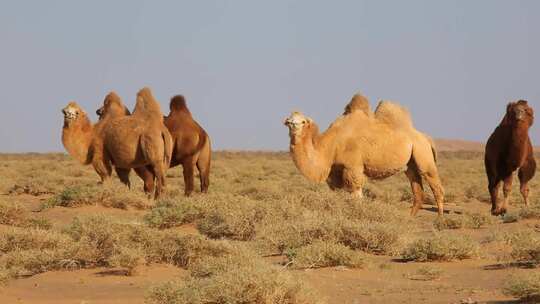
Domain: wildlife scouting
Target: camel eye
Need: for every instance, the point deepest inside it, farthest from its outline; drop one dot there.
(303, 122)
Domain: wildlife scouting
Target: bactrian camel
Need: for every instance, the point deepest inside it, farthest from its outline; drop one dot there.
(358, 145)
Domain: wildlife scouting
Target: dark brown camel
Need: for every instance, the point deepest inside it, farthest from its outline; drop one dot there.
(191, 144)
(509, 149)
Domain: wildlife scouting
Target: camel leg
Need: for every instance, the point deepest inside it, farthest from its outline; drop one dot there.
(507, 190)
(354, 181)
(424, 159)
(123, 174)
(159, 171)
(203, 165)
(103, 169)
(525, 174)
(494, 186)
(188, 164)
(147, 175)
(416, 185)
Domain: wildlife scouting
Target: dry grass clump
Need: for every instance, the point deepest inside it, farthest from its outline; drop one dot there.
(426, 273)
(101, 241)
(441, 247)
(168, 213)
(11, 214)
(525, 246)
(303, 227)
(530, 212)
(526, 287)
(325, 254)
(238, 278)
(111, 194)
(372, 237)
(30, 251)
(466, 220)
(233, 218)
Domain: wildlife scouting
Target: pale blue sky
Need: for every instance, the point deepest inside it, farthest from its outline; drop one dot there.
(244, 65)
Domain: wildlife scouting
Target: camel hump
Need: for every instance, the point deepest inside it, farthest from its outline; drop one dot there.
(358, 103)
(146, 104)
(393, 114)
(178, 104)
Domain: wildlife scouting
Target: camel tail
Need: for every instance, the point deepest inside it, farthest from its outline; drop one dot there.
(168, 147)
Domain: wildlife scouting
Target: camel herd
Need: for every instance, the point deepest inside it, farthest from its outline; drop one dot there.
(360, 144)
(144, 141)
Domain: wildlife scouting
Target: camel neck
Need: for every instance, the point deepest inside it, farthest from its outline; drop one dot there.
(519, 142)
(312, 155)
(77, 138)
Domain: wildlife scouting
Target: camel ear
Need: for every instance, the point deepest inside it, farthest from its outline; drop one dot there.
(309, 120)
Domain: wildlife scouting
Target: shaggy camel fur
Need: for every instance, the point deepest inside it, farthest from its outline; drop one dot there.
(358, 103)
(191, 144)
(359, 146)
(84, 141)
(140, 139)
(113, 108)
(509, 149)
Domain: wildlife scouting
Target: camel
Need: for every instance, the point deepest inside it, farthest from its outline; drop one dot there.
(509, 149)
(191, 144)
(140, 140)
(84, 140)
(357, 146)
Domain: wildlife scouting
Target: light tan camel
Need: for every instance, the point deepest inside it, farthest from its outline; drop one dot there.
(359, 146)
(140, 139)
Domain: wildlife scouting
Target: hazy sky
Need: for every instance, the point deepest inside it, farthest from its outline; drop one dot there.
(244, 65)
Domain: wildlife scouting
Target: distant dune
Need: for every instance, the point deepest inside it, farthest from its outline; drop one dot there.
(444, 144)
(458, 145)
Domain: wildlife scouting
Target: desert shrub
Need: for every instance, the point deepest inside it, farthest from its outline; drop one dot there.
(530, 212)
(426, 273)
(282, 232)
(236, 279)
(525, 287)
(11, 214)
(169, 214)
(74, 196)
(525, 246)
(325, 254)
(32, 239)
(128, 258)
(441, 248)
(30, 251)
(510, 217)
(184, 250)
(98, 239)
(372, 237)
(467, 220)
(234, 219)
(112, 194)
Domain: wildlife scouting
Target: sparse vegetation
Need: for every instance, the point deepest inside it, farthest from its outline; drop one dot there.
(441, 247)
(240, 277)
(525, 246)
(525, 287)
(259, 225)
(325, 254)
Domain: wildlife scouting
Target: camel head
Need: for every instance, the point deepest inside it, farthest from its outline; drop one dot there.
(519, 112)
(298, 123)
(72, 112)
(112, 105)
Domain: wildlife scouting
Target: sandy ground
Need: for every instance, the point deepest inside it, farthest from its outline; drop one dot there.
(386, 280)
